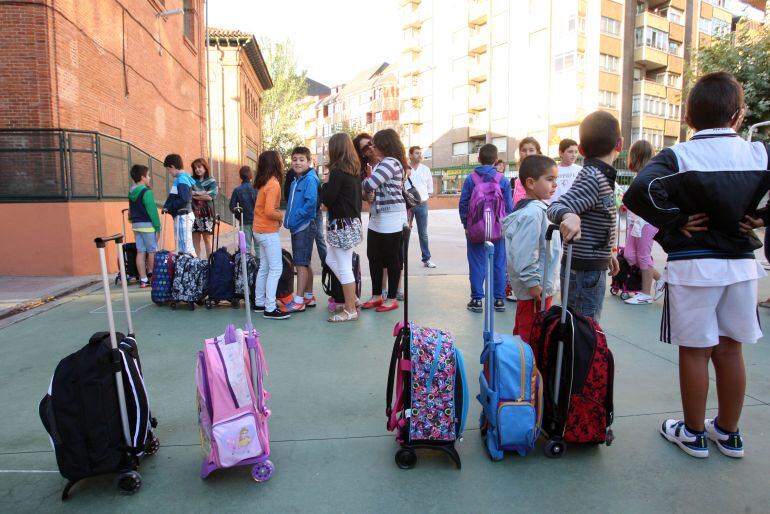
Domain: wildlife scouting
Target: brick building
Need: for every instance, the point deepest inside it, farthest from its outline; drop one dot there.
(99, 85)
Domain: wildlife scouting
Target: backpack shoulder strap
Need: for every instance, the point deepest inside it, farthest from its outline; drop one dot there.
(476, 178)
(498, 177)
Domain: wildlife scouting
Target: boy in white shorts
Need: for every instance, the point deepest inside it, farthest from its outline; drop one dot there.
(698, 194)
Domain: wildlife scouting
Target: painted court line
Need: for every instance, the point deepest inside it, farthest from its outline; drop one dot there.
(26, 471)
(103, 309)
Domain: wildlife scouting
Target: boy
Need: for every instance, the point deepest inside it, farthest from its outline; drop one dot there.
(525, 244)
(568, 170)
(586, 215)
(475, 251)
(179, 204)
(696, 193)
(245, 196)
(300, 219)
(145, 221)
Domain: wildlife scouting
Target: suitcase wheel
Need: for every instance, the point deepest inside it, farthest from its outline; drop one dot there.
(173, 305)
(152, 446)
(609, 437)
(554, 448)
(235, 303)
(262, 471)
(625, 296)
(406, 458)
(129, 482)
(192, 306)
(209, 304)
(614, 291)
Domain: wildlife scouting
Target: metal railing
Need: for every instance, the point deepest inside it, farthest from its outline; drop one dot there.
(44, 165)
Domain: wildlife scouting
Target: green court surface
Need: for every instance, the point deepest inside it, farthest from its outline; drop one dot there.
(330, 446)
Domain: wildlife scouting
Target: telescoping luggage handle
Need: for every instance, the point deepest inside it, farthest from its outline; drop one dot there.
(564, 303)
(101, 242)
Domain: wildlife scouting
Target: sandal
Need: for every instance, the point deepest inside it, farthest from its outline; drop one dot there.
(343, 316)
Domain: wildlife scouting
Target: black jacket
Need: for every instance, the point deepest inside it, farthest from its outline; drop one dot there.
(342, 195)
(716, 173)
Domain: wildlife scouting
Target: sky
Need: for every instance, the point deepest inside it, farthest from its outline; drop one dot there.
(333, 40)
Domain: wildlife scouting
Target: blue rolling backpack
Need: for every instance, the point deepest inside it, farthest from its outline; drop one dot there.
(510, 392)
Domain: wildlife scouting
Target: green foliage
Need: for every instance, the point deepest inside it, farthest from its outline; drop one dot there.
(745, 54)
(281, 108)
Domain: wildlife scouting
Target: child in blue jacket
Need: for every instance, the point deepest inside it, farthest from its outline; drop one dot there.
(179, 204)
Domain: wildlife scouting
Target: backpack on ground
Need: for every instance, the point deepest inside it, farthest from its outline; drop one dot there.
(332, 286)
(252, 267)
(486, 209)
(191, 280)
(162, 272)
(510, 385)
(427, 379)
(221, 286)
(285, 291)
(97, 410)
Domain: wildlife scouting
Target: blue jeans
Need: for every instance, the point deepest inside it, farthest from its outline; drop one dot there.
(320, 232)
(302, 245)
(477, 264)
(586, 291)
(270, 268)
(421, 213)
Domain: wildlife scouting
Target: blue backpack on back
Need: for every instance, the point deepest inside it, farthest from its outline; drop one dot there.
(511, 392)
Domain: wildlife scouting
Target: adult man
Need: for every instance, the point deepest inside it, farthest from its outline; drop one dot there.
(421, 178)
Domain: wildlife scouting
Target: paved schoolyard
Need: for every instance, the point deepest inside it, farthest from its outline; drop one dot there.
(330, 446)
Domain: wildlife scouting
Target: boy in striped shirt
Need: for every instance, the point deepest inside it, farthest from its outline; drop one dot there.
(586, 215)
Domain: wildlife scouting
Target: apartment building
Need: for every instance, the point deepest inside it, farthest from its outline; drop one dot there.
(477, 71)
(307, 124)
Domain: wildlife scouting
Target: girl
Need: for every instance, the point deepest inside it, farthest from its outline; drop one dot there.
(527, 146)
(342, 197)
(204, 191)
(267, 221)
(500, 166)
(387, 218)
(639, 234)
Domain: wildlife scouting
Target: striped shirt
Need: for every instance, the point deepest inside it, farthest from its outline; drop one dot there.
(386, 182)
(592, 197)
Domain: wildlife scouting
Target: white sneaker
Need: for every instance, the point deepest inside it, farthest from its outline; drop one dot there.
(639, 299)
(660, 288)
(694, 445)
(729, 443)
(429, 264)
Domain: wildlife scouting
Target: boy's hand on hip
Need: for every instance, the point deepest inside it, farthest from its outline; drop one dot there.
(695, 223)
(749, 223)
(536, 292)
(614, 265)
(570, 227)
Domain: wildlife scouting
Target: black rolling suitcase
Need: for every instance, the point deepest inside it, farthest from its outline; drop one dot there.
(221, 286)
(129, 254)
(97, 411)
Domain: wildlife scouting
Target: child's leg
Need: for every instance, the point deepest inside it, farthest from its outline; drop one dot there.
(272, 252)
(727, 357)
(476, 268)
(374, 256)
(302, 281)
(151, 260)
(196, 241)
(694, 385)
(141, 259)
(208, 241)
(260, 288)
(500, 276)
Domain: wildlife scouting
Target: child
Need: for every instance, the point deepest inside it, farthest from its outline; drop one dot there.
(527, 146)
(244, 196)
(638, 251)
(179, 204)
(204, 192)
(568, 170)
(301, 208)
(144, 220)
(586, 215)
(476, 254)
(526, 258)
(267, 222)
(697, 194)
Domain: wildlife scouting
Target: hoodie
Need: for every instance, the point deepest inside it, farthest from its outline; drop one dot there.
(488, 172)
(144, 213)
(302, 203)
(179, 199)
(526, 258)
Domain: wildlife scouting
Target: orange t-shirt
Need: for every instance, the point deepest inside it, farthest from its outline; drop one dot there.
(267, 209)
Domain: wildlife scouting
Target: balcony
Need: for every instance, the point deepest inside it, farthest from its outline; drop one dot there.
(648, 19)
(672, 128)
(412, 43)
(477, 13)
(675, 64)
(412, 20)
(478, 42)
(478, 69)
(582, 6)
(478, 125)
(650, 58)
(650, 88)
(414, 3)
(478, 102)
(410, 68)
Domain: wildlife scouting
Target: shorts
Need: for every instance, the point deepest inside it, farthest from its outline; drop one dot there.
(696, 317)
(302, 245)
(526, 310)
(203, 225)
(146, 242)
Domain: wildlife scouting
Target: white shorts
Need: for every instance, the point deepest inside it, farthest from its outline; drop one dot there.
(696, 316)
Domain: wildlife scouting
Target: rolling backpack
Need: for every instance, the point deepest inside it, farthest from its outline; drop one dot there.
(252, 266)
(285, 290)
(427, 378)
(162, 272)
(510, 393)
(221, 286)
(191, 279)
(486, 209)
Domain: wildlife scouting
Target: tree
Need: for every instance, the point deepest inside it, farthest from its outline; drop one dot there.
(281, 107)
(745, 54)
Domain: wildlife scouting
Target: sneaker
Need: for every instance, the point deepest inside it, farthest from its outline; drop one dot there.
(729, 443)
(429, 264)
(292, 306)
(639, 299)
(143, 284)
(258, 308)
(511, 297)
(694, 445)
(499, 305)
(399, 296)
(276, 314)
(475, 305)
(660, 289)
(310, 301)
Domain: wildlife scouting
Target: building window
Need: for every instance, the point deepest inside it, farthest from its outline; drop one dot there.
(501, 143)
(669, 79)
(460, 148)
(674, 15)
(189, 20)
(719, 28)
(610, 26)
(635, 101)
(576, 22)
(608, 63)
(674, 111)
(704, 25)
(427, 152)
(675, 48)
(654, 38)
(717, 3)
(567, 61)
(608, 99)
(653, 136)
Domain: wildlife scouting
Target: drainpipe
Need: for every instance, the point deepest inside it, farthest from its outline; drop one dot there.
(208, 93)
(689, 17)
(224, 125)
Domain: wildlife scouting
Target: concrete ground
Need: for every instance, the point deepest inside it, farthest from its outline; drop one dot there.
(330, 447)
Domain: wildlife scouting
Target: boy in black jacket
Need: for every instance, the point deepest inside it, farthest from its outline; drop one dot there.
(697, 194)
